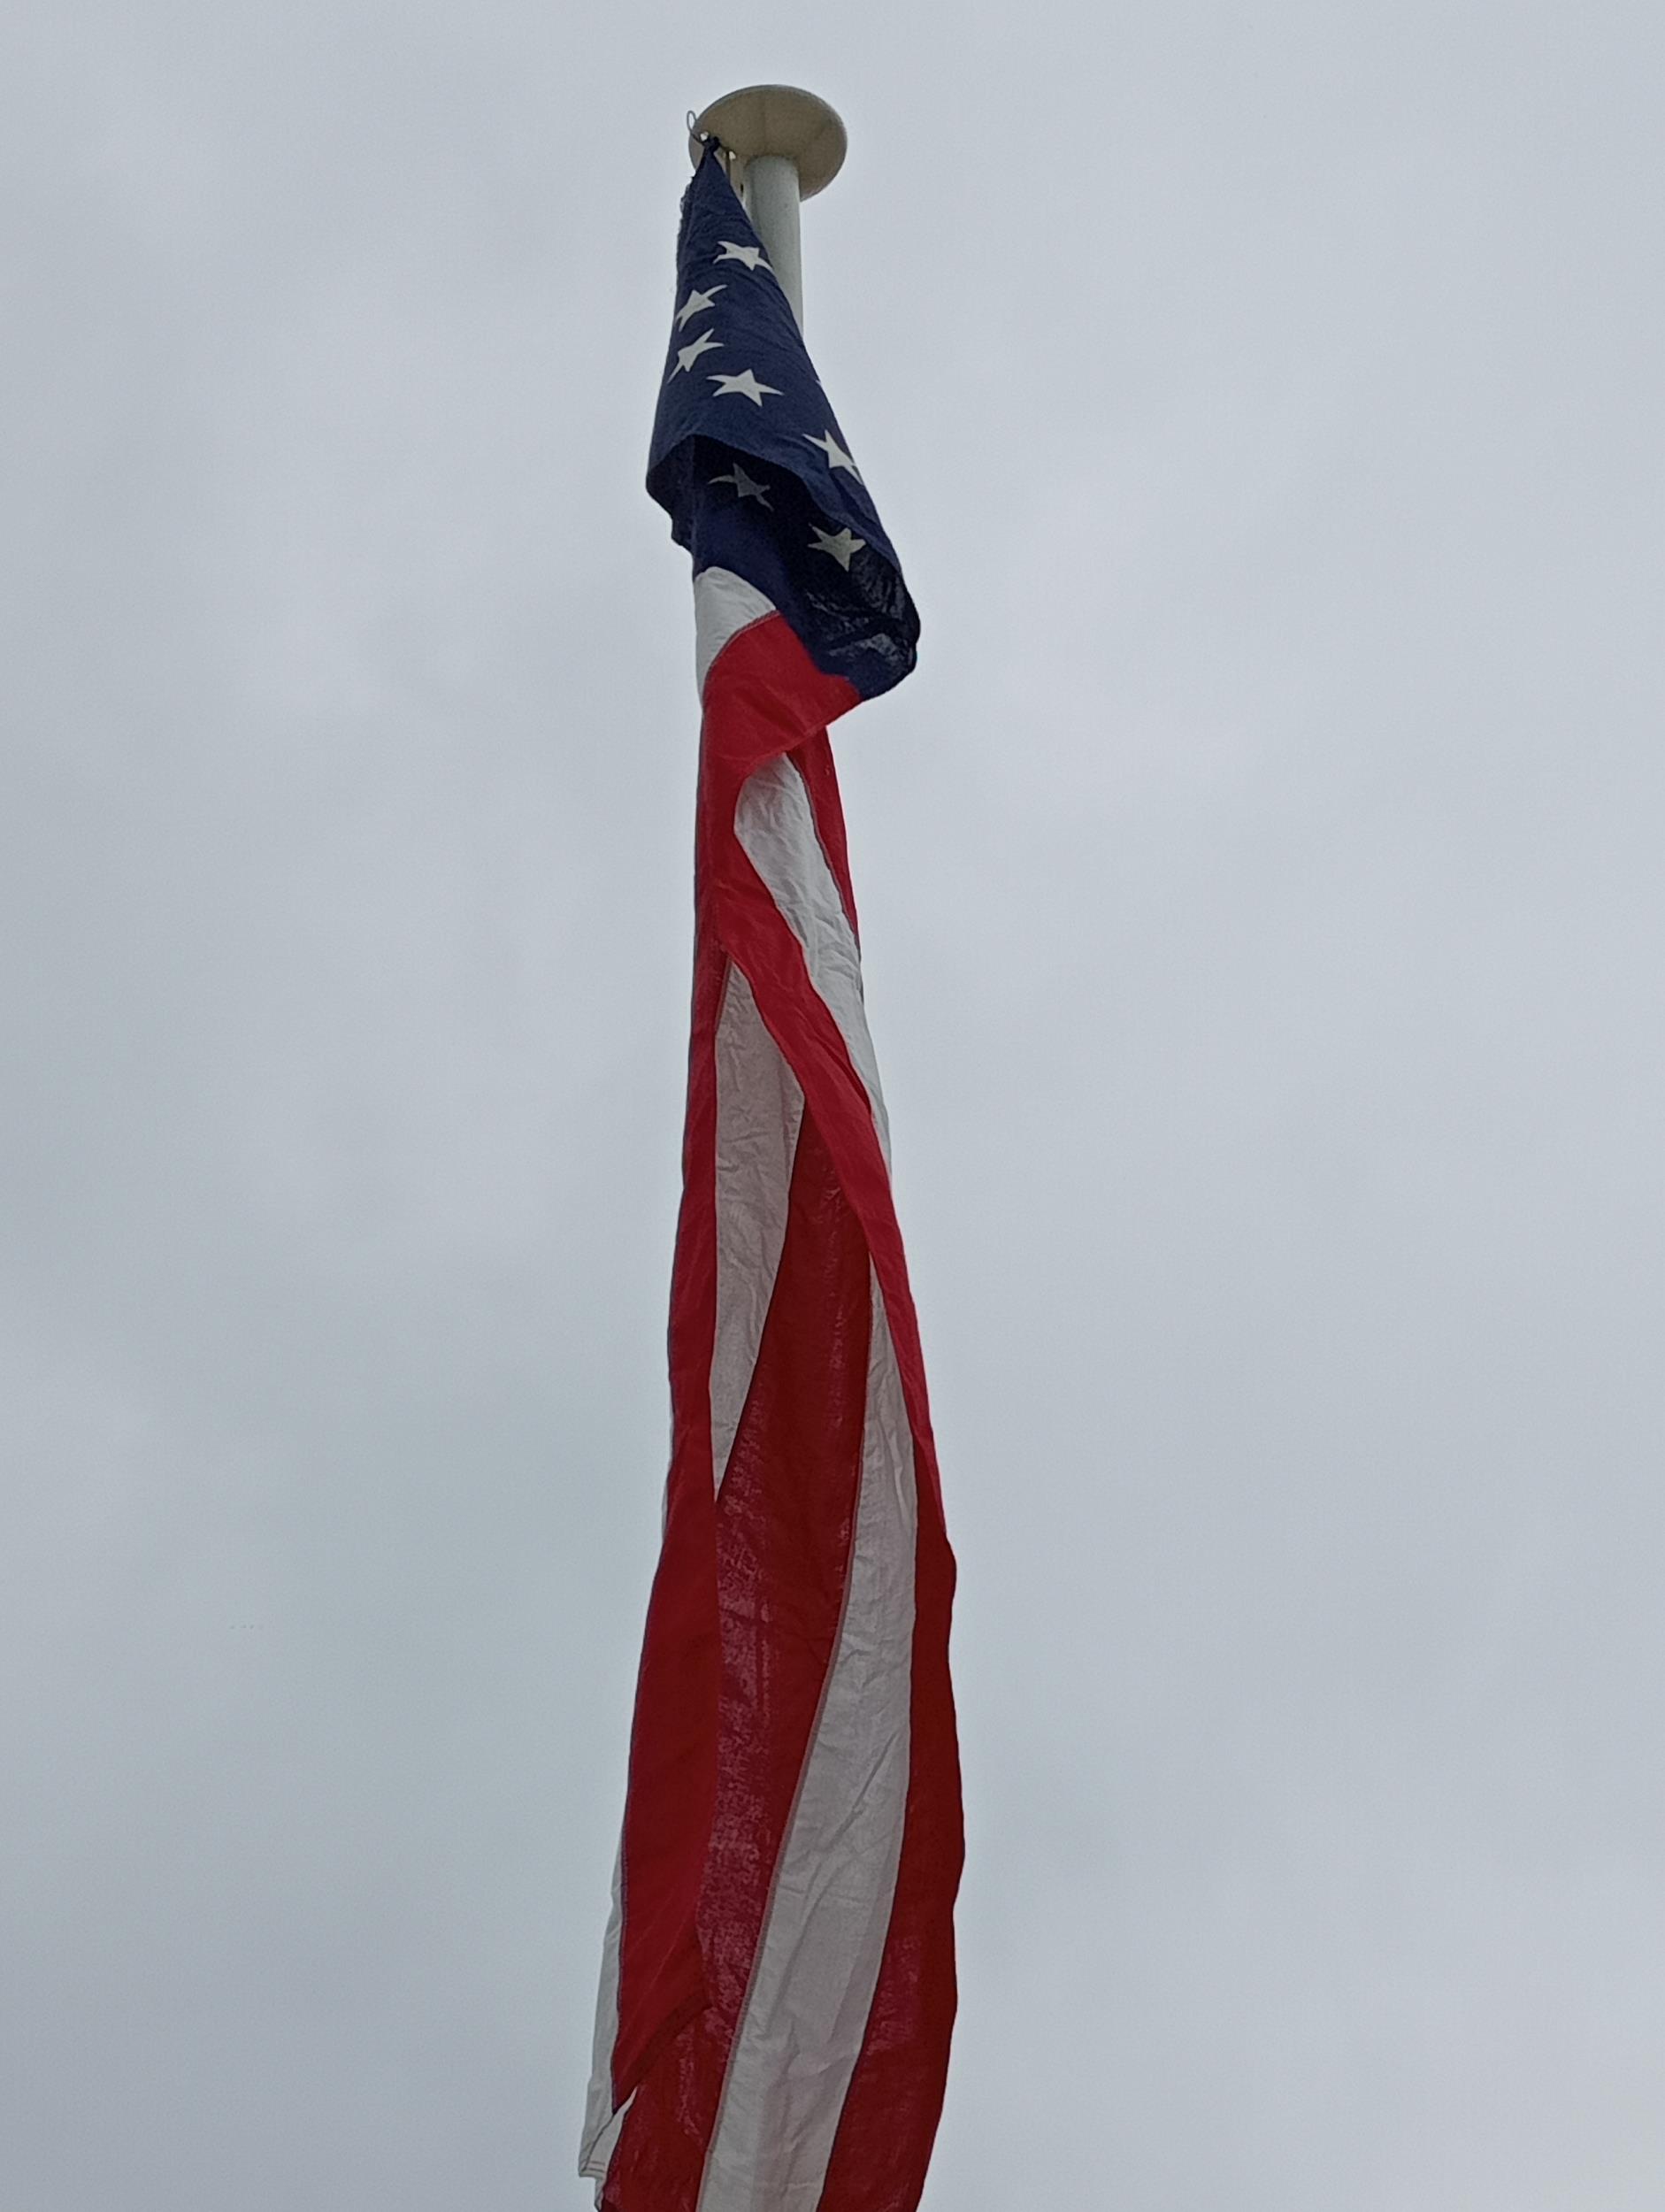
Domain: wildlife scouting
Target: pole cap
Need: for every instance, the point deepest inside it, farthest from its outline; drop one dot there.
(776, 118)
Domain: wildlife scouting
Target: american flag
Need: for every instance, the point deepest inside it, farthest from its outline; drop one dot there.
(778, 1986)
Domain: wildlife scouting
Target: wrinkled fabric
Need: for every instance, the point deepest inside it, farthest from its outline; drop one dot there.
(777, 1987)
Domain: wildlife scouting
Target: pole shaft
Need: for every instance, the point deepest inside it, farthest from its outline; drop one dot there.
(772, 196)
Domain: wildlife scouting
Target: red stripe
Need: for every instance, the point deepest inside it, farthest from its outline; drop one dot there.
(814, 757)
(784, 1523)
(672, 1776)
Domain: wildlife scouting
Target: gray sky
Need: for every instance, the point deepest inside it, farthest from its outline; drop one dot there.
(1261, 894)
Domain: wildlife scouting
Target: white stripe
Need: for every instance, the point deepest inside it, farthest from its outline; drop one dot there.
(759, 1107)
(775, 824)
(724, 604)
(800, 2035)
(602, 2123)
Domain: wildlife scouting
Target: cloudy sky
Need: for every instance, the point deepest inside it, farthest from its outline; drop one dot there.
(1262, 892)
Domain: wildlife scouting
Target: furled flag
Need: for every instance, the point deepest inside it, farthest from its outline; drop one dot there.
(777, 1980)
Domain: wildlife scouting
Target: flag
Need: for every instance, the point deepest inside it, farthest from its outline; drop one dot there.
(777, 1985)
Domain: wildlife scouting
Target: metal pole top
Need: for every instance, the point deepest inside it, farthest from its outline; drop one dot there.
(776, 118)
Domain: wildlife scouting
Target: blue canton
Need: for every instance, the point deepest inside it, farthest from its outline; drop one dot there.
(749, 459)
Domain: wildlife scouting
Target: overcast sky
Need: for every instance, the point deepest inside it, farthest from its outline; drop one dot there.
(1262, 890)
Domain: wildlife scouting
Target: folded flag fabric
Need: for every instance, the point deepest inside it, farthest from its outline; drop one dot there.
(778, 1986)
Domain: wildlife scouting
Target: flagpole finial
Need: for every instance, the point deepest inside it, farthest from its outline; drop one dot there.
(779, 119)
(783, 145)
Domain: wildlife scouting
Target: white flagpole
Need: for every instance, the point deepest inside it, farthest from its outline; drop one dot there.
(784, 145)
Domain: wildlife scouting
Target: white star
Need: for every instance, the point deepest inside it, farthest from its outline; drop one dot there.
(744, 487)
(696, 304)
(752, 255)
(843, 547)
(746, 385)
(686, 355)
(836, 457)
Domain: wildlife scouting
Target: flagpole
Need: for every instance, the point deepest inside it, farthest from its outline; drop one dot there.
(784, 145)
